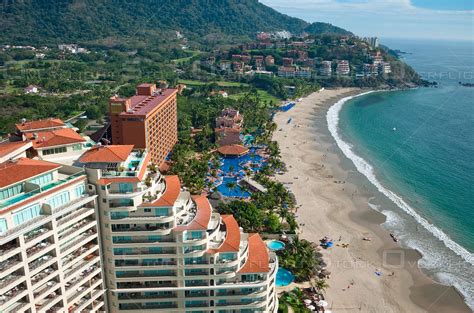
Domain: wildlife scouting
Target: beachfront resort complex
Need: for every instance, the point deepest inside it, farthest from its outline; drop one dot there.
(99, 228)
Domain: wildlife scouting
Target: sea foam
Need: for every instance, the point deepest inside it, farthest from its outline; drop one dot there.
(367, 170)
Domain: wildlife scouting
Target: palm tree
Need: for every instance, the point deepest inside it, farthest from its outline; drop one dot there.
(321, 285)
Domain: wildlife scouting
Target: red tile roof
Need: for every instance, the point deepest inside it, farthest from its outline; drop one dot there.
(169, 197)
(233, 150)
(41, 124)
(52, 138)
(107, 154)
(257, 261)
(9, 147)
(12, 172)
(232, 239)
(203, 215)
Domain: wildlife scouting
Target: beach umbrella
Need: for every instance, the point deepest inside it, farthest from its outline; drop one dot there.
(307, 301)
(311, 307)
(323, 303)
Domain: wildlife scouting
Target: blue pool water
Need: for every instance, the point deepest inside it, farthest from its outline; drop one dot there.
(234, 192)
(235, 165)
(284, 277)
(276, 245)
(233, 170)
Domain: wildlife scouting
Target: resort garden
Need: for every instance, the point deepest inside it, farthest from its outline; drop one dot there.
(268, 209)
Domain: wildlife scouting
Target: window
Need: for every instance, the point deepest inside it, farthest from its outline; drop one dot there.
(54, 150)
(118, 215)
(147, 210)
(77, 147)
(80, 190)
(3, 225)
(26, 214)
(43, 179)
(161, 212)
(125, 187)
(10, 192)
(59, 200)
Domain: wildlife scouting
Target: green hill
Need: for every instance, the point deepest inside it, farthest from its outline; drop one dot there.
(46, 21)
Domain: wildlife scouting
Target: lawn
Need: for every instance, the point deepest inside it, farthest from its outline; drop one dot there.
(220, 83)
(185, 59)
(264, 95)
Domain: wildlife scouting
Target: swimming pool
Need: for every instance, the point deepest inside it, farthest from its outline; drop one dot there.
(276, 245)
(231, 188)
(284, 277)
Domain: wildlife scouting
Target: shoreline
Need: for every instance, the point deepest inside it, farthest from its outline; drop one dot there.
(334, 199)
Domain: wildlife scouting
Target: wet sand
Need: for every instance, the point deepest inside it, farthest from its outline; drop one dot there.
(333, 199)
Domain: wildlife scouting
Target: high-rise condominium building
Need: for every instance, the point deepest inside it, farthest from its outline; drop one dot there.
(49, 243)
(168, 251)
(147, 120)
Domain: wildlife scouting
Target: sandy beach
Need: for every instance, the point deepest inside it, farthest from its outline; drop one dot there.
(332, 199)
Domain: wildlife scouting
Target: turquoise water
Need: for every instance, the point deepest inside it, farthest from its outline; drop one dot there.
(284, 277)
(417, 147)
(276, 245)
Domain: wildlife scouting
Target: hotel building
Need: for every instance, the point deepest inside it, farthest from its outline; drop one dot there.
(343, 67)
(51, 140)
(168, 251)
(49, 243)
(147, 120)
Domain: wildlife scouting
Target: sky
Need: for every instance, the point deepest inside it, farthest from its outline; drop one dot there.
(417, 19)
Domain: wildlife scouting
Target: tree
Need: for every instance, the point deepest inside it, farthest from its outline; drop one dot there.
(273, 222)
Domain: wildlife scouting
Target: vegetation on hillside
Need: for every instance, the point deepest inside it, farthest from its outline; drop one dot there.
(114, 21)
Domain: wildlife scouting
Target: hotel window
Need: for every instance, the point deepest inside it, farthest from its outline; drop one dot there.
(59, 200)
(80, 190)
(3, 225)
(10, 192)
(77, 147)
(161, 212)
(42, 180)
(54, 150)
(125, 187)
(26, 214)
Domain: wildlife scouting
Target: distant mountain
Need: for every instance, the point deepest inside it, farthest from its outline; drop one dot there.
(54, 21)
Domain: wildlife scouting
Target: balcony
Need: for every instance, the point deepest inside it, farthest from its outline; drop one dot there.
(80, 241)
(70, 218)
(129, 265)
(77, 228)
(40, 261)
(147, 285)
(12, 294)
(39, 248)
(81, 279)
(9, 265)
(44, 304)
(148, 253)
(10, 281)
(43, 276)
(84, 268)
(8, 250)
(49, 287)
(83, 253)
(65, 177)
(129, 168)
(139, 296)
(32, 235)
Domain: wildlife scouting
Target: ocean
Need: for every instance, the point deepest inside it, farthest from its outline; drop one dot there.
(417, 148)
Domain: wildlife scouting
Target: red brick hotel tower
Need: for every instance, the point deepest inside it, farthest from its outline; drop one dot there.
(147, 120)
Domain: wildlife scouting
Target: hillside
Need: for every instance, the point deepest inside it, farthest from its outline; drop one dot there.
(46, 21)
